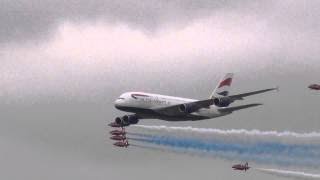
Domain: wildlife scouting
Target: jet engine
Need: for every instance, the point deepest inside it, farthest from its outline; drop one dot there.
(222, 101)
(118, 120)
(188, 108)
(129, 119)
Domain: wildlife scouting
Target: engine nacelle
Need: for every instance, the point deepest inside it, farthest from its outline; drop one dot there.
(222, 102)
(187, 108)
(133, 119)
(129, 119)
(125, 120)
(118, 120)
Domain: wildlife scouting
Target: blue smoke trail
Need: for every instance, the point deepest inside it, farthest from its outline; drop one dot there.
(237, 135)
(263, 152)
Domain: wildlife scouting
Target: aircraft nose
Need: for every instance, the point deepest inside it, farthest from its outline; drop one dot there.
(118, 102)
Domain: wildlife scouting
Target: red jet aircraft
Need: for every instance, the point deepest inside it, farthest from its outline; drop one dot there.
(118, 138)
(119, 135)
(241, 167)
(121, 144)
(314, 87)
(114, 124)
(118, 132)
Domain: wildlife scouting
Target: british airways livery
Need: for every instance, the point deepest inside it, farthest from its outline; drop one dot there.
(169, 108)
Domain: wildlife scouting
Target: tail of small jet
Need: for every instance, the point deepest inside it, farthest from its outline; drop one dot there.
(223, 87)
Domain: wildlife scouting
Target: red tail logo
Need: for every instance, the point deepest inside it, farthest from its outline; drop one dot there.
(226, 82)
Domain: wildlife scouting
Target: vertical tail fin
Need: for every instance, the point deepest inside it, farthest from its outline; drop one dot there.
(223, 87)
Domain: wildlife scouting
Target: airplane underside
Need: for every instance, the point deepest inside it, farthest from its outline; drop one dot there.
(150, 114)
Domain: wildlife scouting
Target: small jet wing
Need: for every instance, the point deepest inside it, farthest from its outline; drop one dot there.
(175, 109)
(241, 96)
(236, 108)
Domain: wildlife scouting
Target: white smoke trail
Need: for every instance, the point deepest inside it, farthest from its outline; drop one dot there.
(267, 147)
(289, 174)
(241, 135)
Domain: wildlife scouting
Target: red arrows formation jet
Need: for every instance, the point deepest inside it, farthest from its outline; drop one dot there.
(118, 132)
(241, 167)
(314, 87)
(120, 137)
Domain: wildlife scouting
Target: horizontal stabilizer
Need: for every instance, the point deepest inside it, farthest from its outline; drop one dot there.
(236, 108)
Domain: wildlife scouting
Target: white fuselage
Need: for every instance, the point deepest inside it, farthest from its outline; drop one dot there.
(143, 104)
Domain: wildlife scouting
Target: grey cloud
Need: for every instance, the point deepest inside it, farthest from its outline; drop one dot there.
(23, 20)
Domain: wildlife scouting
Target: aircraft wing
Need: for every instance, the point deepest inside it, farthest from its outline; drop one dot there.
(241, 96)
(236, 108)
(191, 106)
(176, 110)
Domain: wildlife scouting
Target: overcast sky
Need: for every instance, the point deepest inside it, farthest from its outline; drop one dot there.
(64, 62)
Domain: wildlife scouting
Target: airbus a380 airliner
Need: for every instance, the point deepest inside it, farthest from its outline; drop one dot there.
(169, 108)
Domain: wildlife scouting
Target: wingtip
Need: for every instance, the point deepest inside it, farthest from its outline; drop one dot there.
(255, 104)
